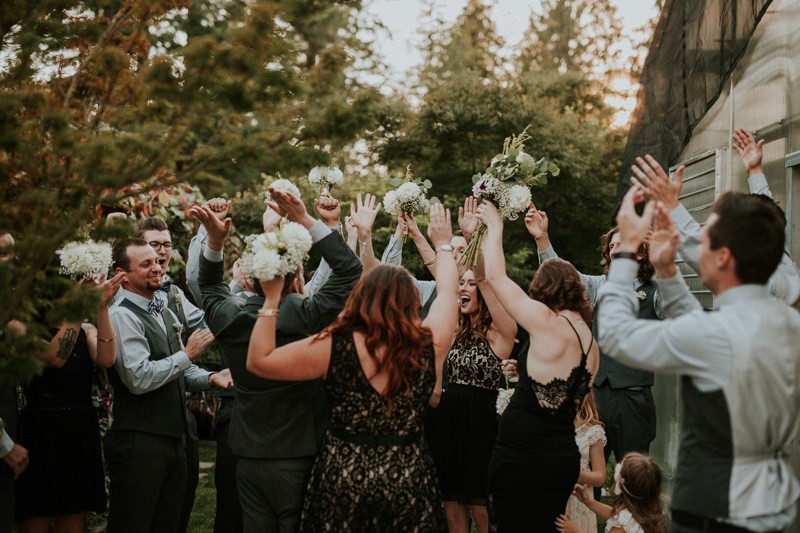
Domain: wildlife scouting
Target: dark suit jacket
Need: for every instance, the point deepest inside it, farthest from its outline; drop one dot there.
(276, 419)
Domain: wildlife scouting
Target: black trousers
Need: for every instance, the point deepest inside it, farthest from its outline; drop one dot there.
(228, 518)
(629, 416)
(6, 498)
(148, 481)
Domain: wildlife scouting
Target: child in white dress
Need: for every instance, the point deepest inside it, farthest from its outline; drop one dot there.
(637, 508)
(591, 439)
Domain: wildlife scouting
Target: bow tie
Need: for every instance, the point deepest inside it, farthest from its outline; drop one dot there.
(155, 307)
(165, 286)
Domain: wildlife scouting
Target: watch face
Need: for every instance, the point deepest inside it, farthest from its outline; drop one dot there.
(446, 248)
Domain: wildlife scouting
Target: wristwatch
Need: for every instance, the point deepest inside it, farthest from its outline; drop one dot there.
(444, 248)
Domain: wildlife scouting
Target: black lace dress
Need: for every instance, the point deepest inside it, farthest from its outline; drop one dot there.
(536, 461)
(374, 473)
(59, 428)
(464, 425)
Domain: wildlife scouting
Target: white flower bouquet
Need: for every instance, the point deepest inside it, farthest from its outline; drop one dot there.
(276, 253)
(325, 178)
(283, 185)
(506, 183)
(85, 260)
(408, 198)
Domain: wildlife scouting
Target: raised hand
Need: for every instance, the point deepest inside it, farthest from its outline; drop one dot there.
(651, 177)
(220, 206)
(270, 218)
(489, 215)
(272, 290)
(290, 206)
(749, 150)
(664, 244)
(111, 286)
(217, 229)
(439, 229)
(467, 217)
(633, 229)
(409, 225)
(328, 209)
(536, 222)
(363, 214)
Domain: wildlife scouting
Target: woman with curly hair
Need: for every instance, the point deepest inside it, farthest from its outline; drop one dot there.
(637, 507)
(536, 461)
(464, 425)
(379, 363)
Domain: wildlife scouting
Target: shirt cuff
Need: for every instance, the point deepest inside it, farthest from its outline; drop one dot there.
(681, 216)
(758, 184)
(546, 254)
(182, 360)
(215, 256)
(319, 231)
(623, 270)
(6, 444)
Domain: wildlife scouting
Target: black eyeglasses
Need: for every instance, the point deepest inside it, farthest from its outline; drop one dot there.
(156, 245)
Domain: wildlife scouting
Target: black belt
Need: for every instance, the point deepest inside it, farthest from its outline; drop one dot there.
(707, 525)
(376, 440)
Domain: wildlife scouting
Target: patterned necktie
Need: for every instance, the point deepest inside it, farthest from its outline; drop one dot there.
(155, 307)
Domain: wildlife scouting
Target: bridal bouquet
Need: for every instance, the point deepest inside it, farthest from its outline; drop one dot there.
(276, 253)
(283, 185)
(408, 198)
(324, 178)
(506, 183)
(85, 260)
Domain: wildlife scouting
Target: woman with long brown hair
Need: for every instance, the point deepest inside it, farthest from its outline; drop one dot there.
(464, 425)
(536, 461)
(379, 363)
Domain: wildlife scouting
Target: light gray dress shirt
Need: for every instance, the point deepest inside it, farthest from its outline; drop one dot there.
(133, 364)
(393, 255)
(723, 350)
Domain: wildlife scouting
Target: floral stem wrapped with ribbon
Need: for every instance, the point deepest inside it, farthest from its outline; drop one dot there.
(276, 253)
(85, 260)
(325, 178)
(506, 183)
(408, 198)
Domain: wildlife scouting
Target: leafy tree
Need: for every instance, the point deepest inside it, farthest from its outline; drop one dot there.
(99, 94)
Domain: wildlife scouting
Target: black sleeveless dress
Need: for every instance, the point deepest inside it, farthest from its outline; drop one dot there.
(374, 473)
(59, 428)
(536, 461)
(464, 425)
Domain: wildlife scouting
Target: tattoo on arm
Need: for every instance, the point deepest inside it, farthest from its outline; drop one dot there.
(66, 343)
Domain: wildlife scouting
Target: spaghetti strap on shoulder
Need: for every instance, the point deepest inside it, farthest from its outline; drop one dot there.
(583, 352)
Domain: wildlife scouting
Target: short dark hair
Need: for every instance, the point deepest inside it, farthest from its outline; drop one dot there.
(753, 230)
(151, 223)
(120, 253)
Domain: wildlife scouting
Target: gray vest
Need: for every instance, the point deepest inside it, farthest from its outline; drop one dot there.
(161, 411)
(616, 374)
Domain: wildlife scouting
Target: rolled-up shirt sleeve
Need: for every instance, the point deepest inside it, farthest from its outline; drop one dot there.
(133, 364)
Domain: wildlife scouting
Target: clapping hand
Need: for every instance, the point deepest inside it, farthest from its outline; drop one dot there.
(633, 229)
(217, 228)
(654, 181)
(664, 244)
(467, 217)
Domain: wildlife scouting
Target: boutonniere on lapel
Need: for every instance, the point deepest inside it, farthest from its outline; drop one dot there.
(178, 327)
(641, 295)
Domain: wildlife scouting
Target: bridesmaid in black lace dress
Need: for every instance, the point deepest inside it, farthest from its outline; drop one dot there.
(380, 365)
(536, 461)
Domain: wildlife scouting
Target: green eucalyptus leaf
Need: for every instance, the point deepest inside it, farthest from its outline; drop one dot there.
(395, 182)
(553, 168)
(427, 184)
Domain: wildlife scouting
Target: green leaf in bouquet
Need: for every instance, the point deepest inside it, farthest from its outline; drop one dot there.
(476, 178)
(434, 200)
(395, 182)
(553, 169)
(427, 184)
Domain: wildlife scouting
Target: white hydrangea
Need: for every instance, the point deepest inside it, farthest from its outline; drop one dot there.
(516, 198)
(282, 185)
(85, 260)
(325, 177)
(407, 198)
(276, 253)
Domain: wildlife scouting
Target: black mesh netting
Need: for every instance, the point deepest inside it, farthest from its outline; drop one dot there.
(695, 47)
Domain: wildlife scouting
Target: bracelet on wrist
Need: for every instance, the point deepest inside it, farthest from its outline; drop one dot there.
(114, 336)
(265, 313)
(432, 261)
(626, 255)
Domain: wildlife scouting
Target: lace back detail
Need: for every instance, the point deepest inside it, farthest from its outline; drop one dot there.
(559, 395)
